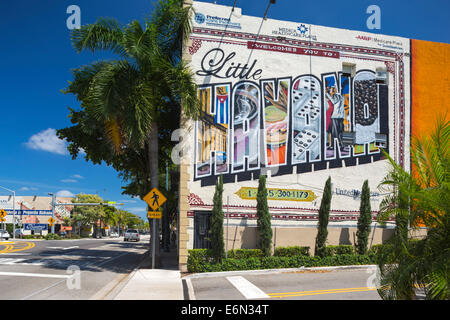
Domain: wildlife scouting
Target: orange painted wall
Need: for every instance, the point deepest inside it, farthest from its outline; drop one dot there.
(430, 84)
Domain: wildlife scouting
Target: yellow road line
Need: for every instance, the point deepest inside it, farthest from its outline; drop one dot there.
(317, 292)
(15, 247)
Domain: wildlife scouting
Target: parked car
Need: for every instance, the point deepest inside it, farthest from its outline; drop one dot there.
(131, 234)
(114, 234)
(19, 233)
(4, 235)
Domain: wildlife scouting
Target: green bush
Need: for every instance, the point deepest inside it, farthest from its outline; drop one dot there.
(338, 250)
(32, 236)
(75, 236)
(244, 253)
(291, 251)
(52, 236)
(200, 260)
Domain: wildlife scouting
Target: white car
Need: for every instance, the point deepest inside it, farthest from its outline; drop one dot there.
(114, 235)
(4, 235)
(131, 234)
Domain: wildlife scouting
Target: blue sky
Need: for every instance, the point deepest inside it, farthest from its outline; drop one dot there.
(36, 58)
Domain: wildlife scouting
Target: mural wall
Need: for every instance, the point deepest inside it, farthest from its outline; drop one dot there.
(296, 102)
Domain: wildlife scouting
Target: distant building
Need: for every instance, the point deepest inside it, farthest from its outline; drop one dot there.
(32, 212)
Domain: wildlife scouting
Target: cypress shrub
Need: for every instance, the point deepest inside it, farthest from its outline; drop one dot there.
(263, 218)
(364, 220)
(324, 214)
(216, 224)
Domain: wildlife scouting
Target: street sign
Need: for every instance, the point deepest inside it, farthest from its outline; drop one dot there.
(2, 219)
(154, 214)
(2, 213)
(155, 199)
(51, 220)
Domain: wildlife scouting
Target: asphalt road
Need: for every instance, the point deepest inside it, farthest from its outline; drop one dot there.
(66, 269)
(350, 284)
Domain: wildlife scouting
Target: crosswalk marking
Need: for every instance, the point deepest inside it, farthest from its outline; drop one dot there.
(248, 289)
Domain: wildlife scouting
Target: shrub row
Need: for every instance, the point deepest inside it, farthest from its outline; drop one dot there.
(199, 260)
(291, 251)
(341, 249)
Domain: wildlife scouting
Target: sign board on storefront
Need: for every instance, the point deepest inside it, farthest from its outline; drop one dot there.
(35, 226)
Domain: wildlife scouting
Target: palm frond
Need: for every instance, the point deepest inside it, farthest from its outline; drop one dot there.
(104, 34)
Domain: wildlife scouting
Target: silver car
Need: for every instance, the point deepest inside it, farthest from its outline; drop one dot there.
(131, 234)
(4, 235)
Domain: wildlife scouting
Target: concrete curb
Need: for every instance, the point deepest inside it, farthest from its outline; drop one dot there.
(274, 271)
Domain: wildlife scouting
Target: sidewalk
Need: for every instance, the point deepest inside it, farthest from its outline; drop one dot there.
(154, 284)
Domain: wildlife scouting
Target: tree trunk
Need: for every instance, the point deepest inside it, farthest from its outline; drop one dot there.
(153, 158)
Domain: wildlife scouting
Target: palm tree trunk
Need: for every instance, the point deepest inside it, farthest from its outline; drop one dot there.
(153, 165)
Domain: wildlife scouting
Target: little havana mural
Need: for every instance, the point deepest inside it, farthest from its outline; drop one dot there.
(277, 124)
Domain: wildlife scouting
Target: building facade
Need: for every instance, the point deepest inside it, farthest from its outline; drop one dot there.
(298, 103)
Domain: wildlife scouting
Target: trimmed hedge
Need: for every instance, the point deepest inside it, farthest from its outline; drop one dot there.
(199, 260)
(244, 253)
(291, 251)
(340, 249)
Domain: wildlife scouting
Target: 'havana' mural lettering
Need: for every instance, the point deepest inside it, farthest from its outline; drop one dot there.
(303, 121)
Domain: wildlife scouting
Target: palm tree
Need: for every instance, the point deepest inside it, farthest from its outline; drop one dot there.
(130, 95)
(421, 198)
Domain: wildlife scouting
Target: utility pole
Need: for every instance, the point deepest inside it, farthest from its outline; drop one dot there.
(53, 210)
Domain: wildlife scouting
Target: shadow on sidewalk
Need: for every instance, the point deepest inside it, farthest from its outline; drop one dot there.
(168, 260)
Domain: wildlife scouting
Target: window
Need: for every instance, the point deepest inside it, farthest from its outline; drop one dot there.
(382, 76)
(349, 69)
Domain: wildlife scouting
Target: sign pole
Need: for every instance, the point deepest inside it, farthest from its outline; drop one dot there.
(154, 200)
(153, 244)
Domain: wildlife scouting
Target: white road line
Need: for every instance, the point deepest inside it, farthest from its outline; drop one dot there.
(39, 275)
(248, 289)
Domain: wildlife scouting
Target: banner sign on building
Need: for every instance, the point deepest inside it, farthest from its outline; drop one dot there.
(35, 226)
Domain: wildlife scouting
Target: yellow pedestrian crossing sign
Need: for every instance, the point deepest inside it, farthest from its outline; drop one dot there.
(51, 221)
(2, 213)
(2, 219)
(155, 199)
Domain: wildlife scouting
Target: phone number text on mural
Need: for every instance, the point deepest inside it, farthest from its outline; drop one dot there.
(278, 194)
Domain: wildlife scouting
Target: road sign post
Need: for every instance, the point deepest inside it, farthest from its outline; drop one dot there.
(154, 199)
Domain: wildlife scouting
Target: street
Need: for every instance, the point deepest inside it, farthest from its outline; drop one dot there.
(67, 269)
(351, 284)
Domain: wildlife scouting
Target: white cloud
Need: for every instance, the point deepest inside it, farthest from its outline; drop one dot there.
(28, 189)
(77, 176)
(64, 193)
(69, 180)
(47, 140)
